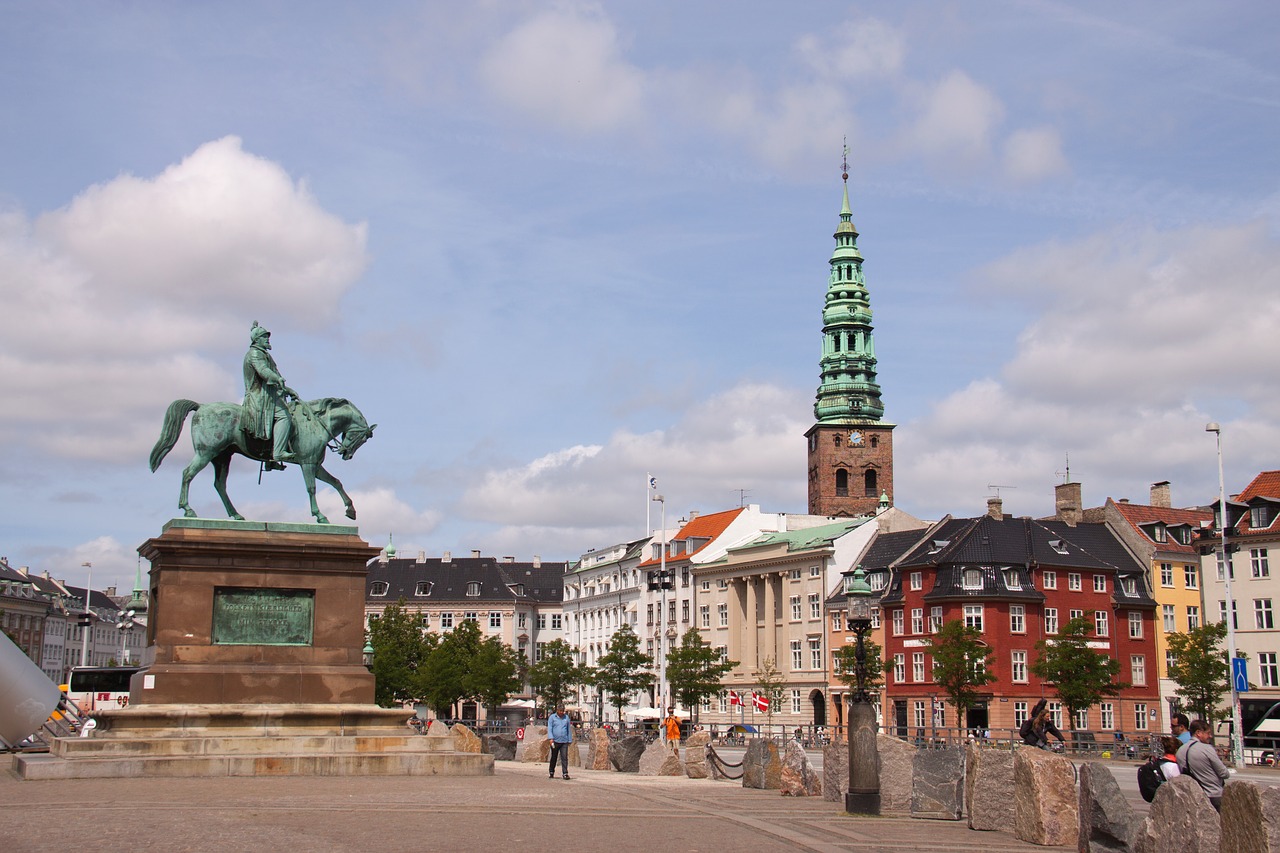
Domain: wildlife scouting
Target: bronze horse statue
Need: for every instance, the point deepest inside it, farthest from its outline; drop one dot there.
(217, 435)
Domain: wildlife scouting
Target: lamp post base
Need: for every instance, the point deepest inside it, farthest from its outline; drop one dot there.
(863, 803)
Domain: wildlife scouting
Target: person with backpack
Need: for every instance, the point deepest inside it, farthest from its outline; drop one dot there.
(1036, 729)
(1159, 768)
(1199, 760)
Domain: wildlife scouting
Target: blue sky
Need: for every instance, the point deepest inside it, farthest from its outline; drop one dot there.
(550, 247)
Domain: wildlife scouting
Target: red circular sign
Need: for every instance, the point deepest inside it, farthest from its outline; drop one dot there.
(520, 733)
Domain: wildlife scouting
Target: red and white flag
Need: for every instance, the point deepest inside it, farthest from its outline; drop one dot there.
(760, 702)
(734, 698)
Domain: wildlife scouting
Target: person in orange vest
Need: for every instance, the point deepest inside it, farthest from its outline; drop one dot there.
(672, 726)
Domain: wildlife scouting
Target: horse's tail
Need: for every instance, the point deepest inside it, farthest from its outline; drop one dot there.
(173, 420)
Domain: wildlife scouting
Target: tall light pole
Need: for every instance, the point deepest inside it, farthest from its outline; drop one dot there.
(1237, 740)
(125, 623)
(662, 604)
(86, 619)
(864, 771)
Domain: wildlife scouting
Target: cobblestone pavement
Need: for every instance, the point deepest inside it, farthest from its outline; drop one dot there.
(518, 808)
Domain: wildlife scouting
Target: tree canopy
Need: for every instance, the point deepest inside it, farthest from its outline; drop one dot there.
(695, 670)
(960, 659)
(1200, 669)
(1081, 676)
(847, 665)
(623, 669)
(399, 649)
(558, 673)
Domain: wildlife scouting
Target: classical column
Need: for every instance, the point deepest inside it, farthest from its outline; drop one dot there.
(737, 618)
(772, 589)
(751, 627)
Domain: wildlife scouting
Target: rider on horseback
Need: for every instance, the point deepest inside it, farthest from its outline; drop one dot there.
(266, 413)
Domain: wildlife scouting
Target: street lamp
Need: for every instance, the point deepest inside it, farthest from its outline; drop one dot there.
(367, 652)
(863, 796)
(1237, 744)
(86, 621)
(663, 584)
(125, 623)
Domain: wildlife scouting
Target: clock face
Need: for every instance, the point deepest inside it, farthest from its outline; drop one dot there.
(855, 438)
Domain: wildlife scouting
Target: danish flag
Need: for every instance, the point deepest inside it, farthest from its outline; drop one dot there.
(734, 698)
(760, 702)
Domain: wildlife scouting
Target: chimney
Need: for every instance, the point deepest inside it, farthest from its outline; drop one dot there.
(422, 556)
(1067, 498)
(508, 559)
(475, 553)
(693, 513)
(446, 557)
(995, 508)
(537, 561)
(1161, 495)
(109, 592)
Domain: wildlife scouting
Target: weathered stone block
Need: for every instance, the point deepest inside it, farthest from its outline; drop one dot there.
(661, 759)
(695, 755)
(761, 767)
(598, 750)
(988, 781)
(799, 779)
(1181, 820)
(501, 747)
(835, 772)
(533, 735)
(464, 740)
(1250, 817)
(937, 784)
(1107, 820)
(897, 760)
(1046, 806)
(625, 754)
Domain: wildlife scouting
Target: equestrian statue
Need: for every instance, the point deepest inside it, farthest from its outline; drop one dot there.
(273, 426)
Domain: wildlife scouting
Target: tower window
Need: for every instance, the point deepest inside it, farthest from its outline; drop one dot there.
(869, 483)
(875, 441)
(836, 439)
(842, 483)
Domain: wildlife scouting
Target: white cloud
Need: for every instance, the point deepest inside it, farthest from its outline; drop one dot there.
(110, 300)
(956, 121)
(854, 50)
(380, 512)
(565, 66)
(1034, 154)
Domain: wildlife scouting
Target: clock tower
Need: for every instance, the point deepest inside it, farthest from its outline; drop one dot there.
(851, 446)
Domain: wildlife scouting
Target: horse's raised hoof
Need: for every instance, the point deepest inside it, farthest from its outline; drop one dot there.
(189, 512)
(320, 519)
(351, 512)
(238, 517)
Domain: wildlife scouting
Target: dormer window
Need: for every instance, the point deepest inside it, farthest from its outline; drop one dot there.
(423, 588)
(971, 579)
(1058, 546)
(518, 589)
(1159, 533)
(877, 580)
(938, 544)
(1011, 579)
(1129, 585)
(1259, 517)
(378, 588)
(473, 588)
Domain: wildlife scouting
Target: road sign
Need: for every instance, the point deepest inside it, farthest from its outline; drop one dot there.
(520, 733)
(1240, 674)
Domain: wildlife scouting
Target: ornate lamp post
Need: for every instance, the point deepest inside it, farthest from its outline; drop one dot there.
(367, 653)
(864, 773)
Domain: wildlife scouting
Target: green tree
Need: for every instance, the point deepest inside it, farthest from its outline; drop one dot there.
(772, 683)
(496, 672)
(1200, 669)
(960, 660)
(445, 676)
(1080, 675)
(846, 665)
(399, 648)
(623, 668)
(694, 670)
(558, 673)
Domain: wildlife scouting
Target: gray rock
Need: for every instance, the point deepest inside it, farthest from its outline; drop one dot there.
(761, 767)
(835, 772)
(799, 779)
(988, 780)
(464, 740)
(598, 750)
(1181, 820)
(937, 784)
(1107, 820)
(695, 755)
(661, 759)
(625, 754)
(1046, 805)
(501, 747)
(533, 737)
(1250, 817)
(897, 762)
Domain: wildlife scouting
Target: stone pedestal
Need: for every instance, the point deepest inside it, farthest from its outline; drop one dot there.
(263, 579)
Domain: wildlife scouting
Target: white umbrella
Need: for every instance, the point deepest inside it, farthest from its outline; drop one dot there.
(520, 703)
(644, 712)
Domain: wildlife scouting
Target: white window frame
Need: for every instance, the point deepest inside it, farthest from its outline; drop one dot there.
(1018, 671)
(1017, 619)
(1051, 620)
(917, 580)
(1050, 579)
(1073, 582)
(973, 617)
(917, 667)
(917, 620)
(1138, 670)
(1135, 625)
(1099, 583)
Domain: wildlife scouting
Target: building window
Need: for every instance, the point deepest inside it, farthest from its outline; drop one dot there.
(495, 619)
(1082, 720)
(1011, 579)
(935, 620)
(378, 588)
(815, 654)
(1055, 713)
(797, 656)
(722, 584)
(917, 580)
(917, 620)
(1019, 714)
(684, 611)
(1100, 627)
(971, 579)
(842, 483)
(1135, 625)
(704, 615)
(724, 653)
(815, 606)
(972, 616)
(794, 574)
(1166, 574)
(917, 666)
(1268, 670)
(795, 608)
(1017, 618)
(1222, 614)
(795, 701)
(1050, 580)
(1138, 669)
(471, 616)
(1051, 620)
(1167, 614)
(1191, 576)
(422, 588)
(1099, 583)
(473, 588)
(538, 649)
(815, 571)
(1140, 716)
(875, 618)
(1258, 563)
(837, 620)
(1020, 667)
(542, 621)
(1075, 614)
(877, 580)
(557, 621)
(522, 620)
(919, 714)
(897, 623)
(446, 620)
(1073, 581)
(1262, 614)
(899, 668)
(706, 586)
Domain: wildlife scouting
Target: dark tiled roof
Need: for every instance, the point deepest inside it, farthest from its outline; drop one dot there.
(448, 581)
(1145, 519)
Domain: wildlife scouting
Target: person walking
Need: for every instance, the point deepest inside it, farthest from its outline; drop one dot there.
(1199, 760)
(671, 729)
(560, 730)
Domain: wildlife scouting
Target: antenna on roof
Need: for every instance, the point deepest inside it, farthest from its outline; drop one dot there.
(1067, 473)
(742, 497)
(998, 487)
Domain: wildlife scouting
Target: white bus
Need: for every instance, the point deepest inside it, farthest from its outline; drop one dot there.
(94, 688)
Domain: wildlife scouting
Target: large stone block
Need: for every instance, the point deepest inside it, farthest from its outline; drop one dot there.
(799, 779)
(535, 740)
(501, 747)
(661, 759)
(464, 740)
(1107, 820)
(835, 772)
(988, 781)
(1181, 820)
(897, 760)
(761, 766)
(598, 750)
(1046, 806)
(1250, 817)
(625, 754)
(937, 784)
(695, 755)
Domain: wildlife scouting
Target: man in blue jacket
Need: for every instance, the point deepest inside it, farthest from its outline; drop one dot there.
(560, 730)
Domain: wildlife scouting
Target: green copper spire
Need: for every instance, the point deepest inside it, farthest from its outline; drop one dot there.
(849, 392)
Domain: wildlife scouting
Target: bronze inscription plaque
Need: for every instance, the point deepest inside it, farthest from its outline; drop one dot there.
(262, 617)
